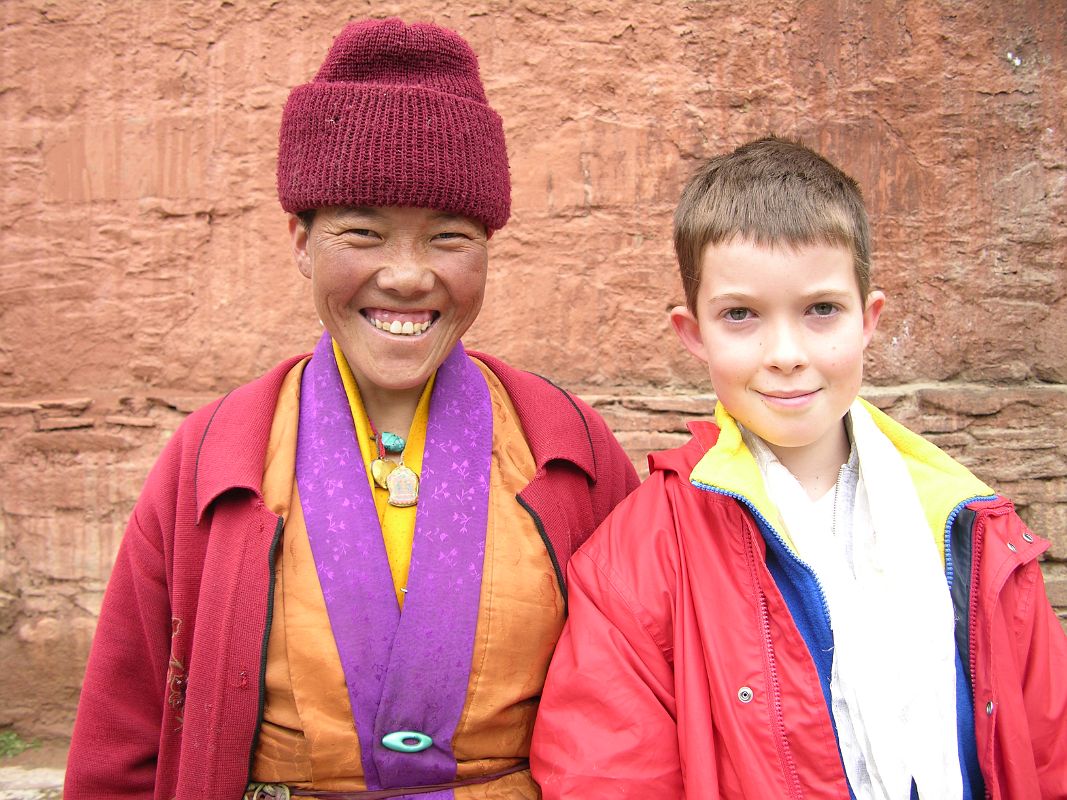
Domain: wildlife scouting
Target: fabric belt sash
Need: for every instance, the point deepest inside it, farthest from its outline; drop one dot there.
(404, 671)
(267, 791)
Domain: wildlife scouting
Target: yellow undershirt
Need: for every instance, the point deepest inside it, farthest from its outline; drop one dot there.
(398, 524)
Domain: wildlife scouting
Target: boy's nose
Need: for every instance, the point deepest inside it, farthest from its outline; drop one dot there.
(784, 348)
(405, 274)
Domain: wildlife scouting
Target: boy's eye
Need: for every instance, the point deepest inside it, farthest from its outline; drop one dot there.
(737, 314)
(823, 309)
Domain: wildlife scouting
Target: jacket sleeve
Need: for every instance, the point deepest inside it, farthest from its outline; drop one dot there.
(1044, 673)
(606, 726)
(1020, 658)
(115, 743)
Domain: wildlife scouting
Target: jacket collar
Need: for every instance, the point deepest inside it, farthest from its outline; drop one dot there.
(550, 434)
(232, 447)
(943, 484)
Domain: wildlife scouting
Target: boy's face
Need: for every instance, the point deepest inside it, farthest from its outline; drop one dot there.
(783, 333)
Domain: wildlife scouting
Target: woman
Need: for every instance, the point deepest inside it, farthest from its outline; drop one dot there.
(347, 577)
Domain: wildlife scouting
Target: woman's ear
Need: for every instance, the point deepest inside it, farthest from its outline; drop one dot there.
(298, 236)
(687, 327)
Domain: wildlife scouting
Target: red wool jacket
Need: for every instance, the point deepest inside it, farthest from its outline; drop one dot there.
(681, 674)
(172, 695)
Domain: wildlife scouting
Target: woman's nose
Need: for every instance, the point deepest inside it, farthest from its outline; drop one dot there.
(405, 274)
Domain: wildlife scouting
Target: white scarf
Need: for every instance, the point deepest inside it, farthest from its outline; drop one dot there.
(893, 679)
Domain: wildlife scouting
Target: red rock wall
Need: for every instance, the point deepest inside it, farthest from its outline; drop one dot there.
(146, 266)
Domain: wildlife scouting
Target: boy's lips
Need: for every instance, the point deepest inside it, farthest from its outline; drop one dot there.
(792, 398)
(400, 323)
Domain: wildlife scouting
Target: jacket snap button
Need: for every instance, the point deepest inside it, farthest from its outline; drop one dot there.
(1011, 547)
(989, 707)
(1028, 537)
(744, 694)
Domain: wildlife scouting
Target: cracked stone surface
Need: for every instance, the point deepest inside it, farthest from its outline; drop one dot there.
(147, 267)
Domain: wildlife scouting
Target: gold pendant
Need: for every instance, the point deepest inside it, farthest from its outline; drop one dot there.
(379, 470)
(403, 485)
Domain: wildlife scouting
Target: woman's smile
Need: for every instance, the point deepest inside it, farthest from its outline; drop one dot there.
(400, 323)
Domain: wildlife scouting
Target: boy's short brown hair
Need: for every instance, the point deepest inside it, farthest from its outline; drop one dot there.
(771, 192)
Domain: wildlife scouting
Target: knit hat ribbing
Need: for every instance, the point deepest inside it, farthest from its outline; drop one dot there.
(396, 116)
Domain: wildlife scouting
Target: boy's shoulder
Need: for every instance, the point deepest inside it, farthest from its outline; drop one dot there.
(679, 461)
(666, 508)
(664, 535)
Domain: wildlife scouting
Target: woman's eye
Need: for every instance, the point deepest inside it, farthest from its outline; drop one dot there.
(823, 309)
(360, 232)
(737, 314)
(451, 235)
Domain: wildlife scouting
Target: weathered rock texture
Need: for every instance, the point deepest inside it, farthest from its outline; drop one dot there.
(145, 263)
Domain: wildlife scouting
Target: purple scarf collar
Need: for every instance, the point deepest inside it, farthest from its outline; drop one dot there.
(405, 671)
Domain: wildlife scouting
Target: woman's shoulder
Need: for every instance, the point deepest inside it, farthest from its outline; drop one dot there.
(559, 424)
(529, 390)
(242, 406)
(222, 442)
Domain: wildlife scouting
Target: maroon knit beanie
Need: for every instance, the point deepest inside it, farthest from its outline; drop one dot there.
(396, 116)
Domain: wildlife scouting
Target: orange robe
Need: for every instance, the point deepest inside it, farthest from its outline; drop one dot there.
(308, 737)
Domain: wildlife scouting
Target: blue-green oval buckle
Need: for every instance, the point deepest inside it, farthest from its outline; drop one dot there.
(406, 741)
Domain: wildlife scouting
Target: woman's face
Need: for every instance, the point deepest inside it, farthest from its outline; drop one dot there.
(395, 287)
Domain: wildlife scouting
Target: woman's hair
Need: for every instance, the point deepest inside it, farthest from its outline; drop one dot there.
(307, 217)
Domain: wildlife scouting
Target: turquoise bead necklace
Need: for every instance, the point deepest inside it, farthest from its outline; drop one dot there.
(401, 481)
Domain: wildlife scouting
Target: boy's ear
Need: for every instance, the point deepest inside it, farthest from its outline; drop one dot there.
(298, 236)
(688, 329)
(871, 313)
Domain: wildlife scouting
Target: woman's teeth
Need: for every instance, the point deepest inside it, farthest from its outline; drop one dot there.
(399, 328)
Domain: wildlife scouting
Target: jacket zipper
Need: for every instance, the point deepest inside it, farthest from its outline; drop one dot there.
(262, 684)
(977, 541)
(950, 567)
(977, 547)
(777, 713)
(950, 574)
(778, 537)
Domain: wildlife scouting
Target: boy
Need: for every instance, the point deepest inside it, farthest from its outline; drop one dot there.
(768, 616)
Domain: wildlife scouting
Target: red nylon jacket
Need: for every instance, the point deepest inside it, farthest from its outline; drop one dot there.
(681, 674)
(170, 709)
